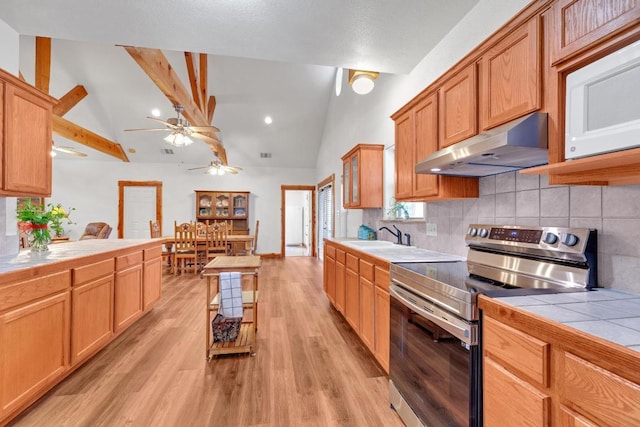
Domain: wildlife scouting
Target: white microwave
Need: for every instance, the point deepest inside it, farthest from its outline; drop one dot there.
(603, 105)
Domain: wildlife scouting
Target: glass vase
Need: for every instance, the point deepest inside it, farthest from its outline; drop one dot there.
(39, 238)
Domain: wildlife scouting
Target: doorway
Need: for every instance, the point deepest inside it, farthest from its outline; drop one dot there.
(325, 212)
(138, 203)
(298, 220)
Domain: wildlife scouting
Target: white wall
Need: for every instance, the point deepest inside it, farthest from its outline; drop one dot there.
(354, 119)
(92, 189)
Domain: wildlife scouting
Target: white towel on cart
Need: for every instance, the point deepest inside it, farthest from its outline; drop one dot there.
(231, 294)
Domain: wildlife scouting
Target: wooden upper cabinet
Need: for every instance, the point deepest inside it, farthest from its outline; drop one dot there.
(25, 138)
(416, 138)
(579, 24)
(362, 176)
(404, 159)
(458, 107)
(426, 143)
(510, 76)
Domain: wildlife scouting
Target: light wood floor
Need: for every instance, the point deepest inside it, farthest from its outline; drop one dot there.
(310, 368)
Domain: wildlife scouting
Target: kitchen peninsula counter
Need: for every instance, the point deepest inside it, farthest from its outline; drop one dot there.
(68, 254)
(60, 308)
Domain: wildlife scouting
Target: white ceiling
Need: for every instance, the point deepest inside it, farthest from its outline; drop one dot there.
(274, 58)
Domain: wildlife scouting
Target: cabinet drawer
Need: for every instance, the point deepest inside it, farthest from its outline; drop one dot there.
(528, 355)
(366, 270)
(382, 279)
(352, 262)
(126, 261)
(91, 272)
(530, 408)
(30, 290)
(341, 256)
(599, 394)
(152, 253)
(330, 251)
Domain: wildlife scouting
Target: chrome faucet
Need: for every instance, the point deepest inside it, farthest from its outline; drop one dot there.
(397, 235)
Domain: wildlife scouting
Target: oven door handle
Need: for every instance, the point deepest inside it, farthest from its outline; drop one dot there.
(467, 334)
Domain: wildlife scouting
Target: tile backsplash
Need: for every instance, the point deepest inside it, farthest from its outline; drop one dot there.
(516, 199)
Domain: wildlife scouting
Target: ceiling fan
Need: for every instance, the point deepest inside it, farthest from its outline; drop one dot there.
(181, 131)
(66, 150)
(217, 168)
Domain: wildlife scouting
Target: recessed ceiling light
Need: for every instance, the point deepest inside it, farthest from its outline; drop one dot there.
(339, 72)
(268, 120)
(155, 112)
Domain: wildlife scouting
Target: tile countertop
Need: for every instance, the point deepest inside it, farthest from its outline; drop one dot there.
(64, 252)
(605, 313)
(393, 252)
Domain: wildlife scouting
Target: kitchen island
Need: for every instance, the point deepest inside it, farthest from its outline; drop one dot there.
(60, 308)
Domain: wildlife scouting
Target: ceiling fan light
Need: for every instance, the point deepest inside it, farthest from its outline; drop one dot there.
(178, 139)
(362, 82)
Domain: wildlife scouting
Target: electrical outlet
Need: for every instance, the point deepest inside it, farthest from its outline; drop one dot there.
(432, 229)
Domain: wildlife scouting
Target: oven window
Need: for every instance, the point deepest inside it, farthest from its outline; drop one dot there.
(432, 370)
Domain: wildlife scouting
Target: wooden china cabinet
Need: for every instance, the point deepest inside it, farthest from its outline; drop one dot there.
(229, 206)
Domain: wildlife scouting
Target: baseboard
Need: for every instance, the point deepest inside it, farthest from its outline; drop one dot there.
(272, 255)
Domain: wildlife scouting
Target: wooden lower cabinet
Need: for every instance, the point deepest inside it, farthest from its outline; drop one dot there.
(128, 297)
(382, 319)
(553, 375)
(152, 282)
(330, 281)
(529, 408)
(92, 317)
(362, 296)
(352, 299)
(367, 313)
(341, 287)
(34, 349)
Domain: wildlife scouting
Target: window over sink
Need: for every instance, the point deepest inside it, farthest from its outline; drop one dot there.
(393, 210)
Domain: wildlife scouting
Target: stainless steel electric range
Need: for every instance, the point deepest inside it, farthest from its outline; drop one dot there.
(434, 359)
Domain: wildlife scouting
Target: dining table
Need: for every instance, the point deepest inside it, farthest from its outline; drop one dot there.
(236, 241)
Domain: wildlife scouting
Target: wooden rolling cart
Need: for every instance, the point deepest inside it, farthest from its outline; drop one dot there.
(248, 267)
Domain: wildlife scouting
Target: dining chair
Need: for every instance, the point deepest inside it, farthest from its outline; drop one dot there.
(185, 247)
(254, 243)
(167, 250)
(217, 244)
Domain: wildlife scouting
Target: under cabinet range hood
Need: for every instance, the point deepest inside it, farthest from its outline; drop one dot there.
(519, 144)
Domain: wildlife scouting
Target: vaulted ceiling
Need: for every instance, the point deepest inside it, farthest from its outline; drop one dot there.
(275, 58)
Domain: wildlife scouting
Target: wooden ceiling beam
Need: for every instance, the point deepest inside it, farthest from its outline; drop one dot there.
(190, 59)
(203, 83)
(211, 108)
(69, 100)
(157, 67)
(43, 63)
(72, 131)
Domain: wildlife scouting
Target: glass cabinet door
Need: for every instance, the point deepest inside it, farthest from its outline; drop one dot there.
(239, 206)
(346, 183)
(205, 205)
(222, 205)
(354, 179)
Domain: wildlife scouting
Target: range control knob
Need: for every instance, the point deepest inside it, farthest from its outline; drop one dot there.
(483, 232)
(550, 238)
(570, 239)
(472, 232)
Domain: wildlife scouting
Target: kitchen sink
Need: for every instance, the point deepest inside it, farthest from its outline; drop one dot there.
(393, 252)
(369, 243)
